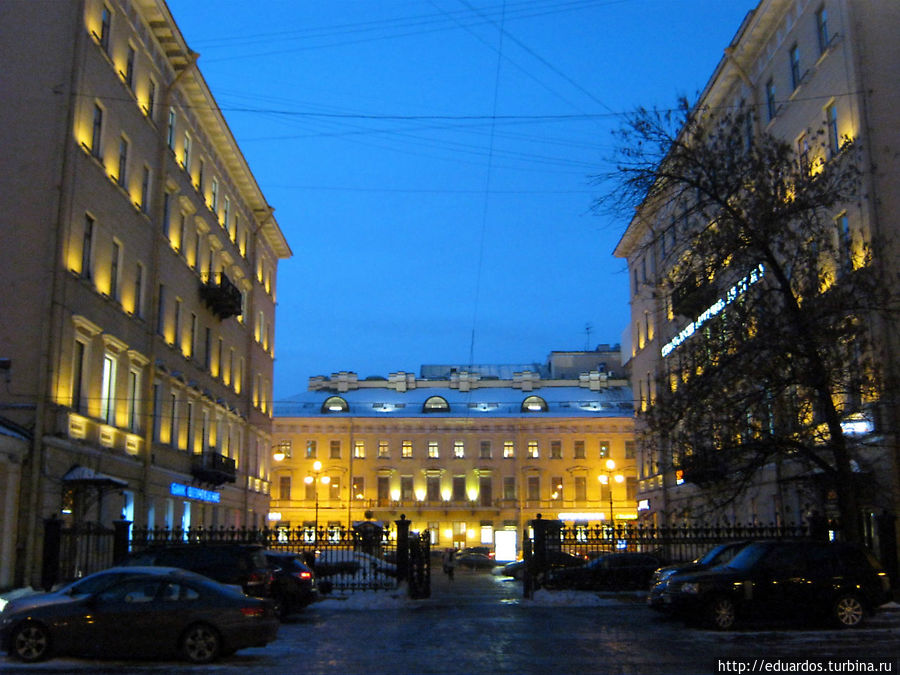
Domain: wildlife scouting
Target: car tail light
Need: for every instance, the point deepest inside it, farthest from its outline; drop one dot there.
(304, 575)
(253, 611)
(260, 578)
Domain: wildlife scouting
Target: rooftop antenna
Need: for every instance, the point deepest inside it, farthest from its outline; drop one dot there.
(587, 329)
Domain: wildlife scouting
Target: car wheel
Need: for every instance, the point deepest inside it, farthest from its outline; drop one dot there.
(30, 642)
(201, 643)
(848, 611)
(721, 613)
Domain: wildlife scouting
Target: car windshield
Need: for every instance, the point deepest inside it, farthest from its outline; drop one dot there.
(747, 557)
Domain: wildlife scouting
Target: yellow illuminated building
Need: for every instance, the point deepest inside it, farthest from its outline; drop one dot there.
(139, 271)
(467, 453)
(803, 66)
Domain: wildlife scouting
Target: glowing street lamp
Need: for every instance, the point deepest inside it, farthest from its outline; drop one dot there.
(607, 478)
(314, 480)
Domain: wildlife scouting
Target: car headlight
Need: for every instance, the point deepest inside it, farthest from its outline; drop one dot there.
(692, 587)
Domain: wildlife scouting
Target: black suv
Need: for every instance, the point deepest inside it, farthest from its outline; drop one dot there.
(718, 555)
(294, 582)
(241, 565)
(783, 580)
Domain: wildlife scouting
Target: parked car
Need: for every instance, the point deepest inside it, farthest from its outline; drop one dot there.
(346, 568)
(241, 565)
(475, 560)
(137, 612)
(783, 580)
(717, 555)
(293, 581)
(610, 572)
(516, 569)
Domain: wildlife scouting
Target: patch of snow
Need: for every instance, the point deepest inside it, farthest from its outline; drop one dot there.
(545, 598)
(367, 600)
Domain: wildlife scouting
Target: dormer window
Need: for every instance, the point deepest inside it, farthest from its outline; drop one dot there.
(436, 404)
(335, 404)
(534, 404)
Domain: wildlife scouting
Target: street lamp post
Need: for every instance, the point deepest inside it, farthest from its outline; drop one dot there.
(607, 478)
(314, 480)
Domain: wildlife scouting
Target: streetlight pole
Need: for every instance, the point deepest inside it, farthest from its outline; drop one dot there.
(607, 478)
(314, 481)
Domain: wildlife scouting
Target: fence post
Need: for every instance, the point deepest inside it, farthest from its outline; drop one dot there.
(120, 540)
(402, 547)
(50, 561)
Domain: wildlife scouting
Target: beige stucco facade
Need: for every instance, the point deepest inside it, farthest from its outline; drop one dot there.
(139, 274)
(803, 65)
(464, 457)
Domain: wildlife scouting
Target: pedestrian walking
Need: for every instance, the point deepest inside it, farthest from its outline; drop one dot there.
(449, 562)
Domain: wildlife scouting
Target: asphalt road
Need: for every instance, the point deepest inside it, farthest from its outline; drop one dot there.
(480, 624)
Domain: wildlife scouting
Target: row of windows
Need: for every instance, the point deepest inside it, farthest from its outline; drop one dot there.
(436, 489)
(457, 449)
(107, 382)
(178, 323)
(433, 404)
(797, 75)
(123, 61)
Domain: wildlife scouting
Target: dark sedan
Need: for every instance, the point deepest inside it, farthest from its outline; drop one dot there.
(611, 572)
(137, 612)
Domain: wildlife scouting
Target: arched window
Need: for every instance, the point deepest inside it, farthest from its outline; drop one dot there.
(436, 404)
(335, 404)
(534, 404)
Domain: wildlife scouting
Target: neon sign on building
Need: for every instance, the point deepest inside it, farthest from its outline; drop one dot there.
(731, 295)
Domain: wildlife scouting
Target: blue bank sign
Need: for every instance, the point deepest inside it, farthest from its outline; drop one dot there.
(192, 492)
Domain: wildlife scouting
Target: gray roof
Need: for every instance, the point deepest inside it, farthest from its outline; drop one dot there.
(614, 401)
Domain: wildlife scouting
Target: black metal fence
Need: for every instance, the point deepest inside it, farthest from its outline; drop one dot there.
(367, 556)
(80, 549)
(552, 542)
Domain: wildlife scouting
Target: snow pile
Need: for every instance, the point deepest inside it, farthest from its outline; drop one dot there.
(366, 600)
(545, 598)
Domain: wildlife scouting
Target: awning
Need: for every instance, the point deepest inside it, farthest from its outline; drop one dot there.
(82, 475)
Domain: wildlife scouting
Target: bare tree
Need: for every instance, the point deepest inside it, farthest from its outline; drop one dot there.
(777, 356)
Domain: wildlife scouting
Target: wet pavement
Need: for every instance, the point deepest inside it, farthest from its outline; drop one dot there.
(479, 623)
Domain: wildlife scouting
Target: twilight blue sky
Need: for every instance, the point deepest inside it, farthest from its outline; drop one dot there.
(432, 172)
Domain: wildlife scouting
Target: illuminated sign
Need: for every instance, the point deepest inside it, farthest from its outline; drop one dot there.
(192, 492)
(643, 505)
(731, 295)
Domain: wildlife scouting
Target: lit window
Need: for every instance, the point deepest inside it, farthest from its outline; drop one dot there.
(459, 449)
(383, 449)
(406, 449)
(335, 404)
(108, 390)
(509, 449)
(534, 404)
(310, 449)
(359, 449)
(436, 404)
(533, 451)
(433, 450)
